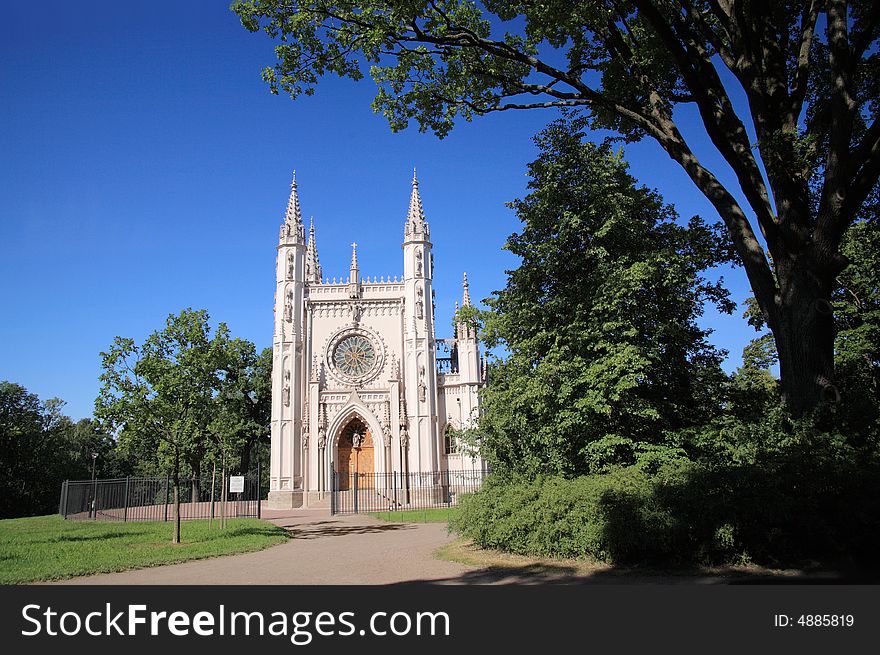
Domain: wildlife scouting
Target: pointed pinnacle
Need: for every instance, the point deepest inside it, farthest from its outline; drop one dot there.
(466, 296)
(293, 214)
(416, 213)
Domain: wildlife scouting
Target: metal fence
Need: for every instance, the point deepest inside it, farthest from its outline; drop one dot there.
(151, 499)
(355, 493)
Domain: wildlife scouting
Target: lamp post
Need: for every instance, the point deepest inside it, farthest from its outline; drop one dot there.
(92, 511)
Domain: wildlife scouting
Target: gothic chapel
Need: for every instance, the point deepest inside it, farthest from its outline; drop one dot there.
(360, 384)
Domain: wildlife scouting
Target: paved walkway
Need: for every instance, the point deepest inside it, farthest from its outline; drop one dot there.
(328, 549)
(324, 550)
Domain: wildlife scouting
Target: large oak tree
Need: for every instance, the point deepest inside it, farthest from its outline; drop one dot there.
(808, 71)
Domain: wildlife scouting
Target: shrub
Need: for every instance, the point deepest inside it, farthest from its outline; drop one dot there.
(810, 498)
(608, 517)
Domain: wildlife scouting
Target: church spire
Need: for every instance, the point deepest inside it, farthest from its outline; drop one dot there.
(313, 266)
(293, 214)
(415, 218)
(466, 296)
(354, 287)
(292, 230)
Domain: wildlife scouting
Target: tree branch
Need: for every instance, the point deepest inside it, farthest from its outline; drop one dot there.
(799, 85)
(723, 126)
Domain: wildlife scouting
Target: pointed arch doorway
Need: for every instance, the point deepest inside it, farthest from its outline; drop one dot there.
(355, 455)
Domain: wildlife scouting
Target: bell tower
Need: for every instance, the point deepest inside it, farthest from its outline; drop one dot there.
(418, 335)
(285, 477)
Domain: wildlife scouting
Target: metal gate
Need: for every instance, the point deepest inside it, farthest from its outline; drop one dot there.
(358, 493)
(150, 499)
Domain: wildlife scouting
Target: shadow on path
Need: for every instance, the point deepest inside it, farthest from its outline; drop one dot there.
(319, 529)
(553, 574)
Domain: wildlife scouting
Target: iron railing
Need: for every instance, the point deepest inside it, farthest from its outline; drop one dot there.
(151, 499)
(357, 493)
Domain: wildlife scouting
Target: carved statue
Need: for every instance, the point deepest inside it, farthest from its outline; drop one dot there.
(285, 392)
(288, 307)
(404, 437)
(357, 440)
(290, 269)
(422, 391)
(420, 312)
(386, 433)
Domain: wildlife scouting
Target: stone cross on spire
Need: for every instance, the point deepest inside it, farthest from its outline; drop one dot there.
(466, 296)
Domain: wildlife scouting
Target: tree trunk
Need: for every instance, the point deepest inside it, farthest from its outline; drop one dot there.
(213, 480)
(195, 496)
(223, 494)
(804, 335)
(175, 480)
(246, 455)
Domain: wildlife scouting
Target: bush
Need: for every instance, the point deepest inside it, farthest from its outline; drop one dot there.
(810, 498)
(609, 517)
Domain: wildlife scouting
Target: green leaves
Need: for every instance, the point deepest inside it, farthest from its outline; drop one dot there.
(801, 76)
(599, 319)
(158, 395)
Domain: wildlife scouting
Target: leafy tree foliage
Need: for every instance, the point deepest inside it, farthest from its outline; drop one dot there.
(599, 319)
(40, 447)
(243, 403)
(187, 399)
(808, 71)
(159, 395)
(239, 421)
(857, 317)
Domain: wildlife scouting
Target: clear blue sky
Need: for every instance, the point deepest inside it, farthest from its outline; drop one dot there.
(145, 167)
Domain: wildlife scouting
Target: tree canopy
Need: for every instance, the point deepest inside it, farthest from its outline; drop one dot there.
(40, 447)
(807, 70)
(159, 395)
(186, 398)
(599, 320)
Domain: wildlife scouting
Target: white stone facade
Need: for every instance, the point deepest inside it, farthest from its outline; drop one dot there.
(357, 359)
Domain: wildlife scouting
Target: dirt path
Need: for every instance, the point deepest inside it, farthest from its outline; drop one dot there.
(324, 550)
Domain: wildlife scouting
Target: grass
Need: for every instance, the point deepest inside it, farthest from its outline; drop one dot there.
(50, 548)
(434, 515)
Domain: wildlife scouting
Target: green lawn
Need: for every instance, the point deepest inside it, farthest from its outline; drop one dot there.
(50, 548)
(434, 515)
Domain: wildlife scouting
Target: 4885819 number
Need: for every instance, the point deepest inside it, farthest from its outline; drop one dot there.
(814, 621)
(826, 620)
